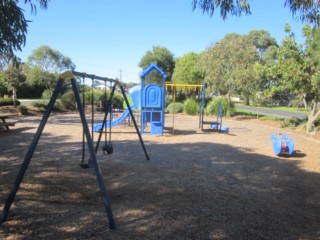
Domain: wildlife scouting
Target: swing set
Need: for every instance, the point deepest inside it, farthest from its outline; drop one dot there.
(88, 137)
(201, 88)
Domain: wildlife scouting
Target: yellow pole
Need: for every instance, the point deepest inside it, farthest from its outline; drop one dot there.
(174, 103)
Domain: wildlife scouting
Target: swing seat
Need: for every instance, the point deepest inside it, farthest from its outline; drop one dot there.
(224, 129)
(107, 149)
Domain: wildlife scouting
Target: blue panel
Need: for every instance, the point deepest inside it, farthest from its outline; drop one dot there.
(290, 146)
(276, 144)
(152, 96)
(151, 68)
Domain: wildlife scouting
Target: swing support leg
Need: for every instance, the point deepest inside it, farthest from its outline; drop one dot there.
(29, 154)
(94, 162)
(134, 122)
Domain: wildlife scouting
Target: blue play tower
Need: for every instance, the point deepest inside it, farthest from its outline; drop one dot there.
(152, 103)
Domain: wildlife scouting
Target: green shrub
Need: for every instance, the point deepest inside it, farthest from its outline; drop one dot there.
(191, 106)
(42, 105)
(212, 106)
(291, 122)
(8, 102)
(39, 104)
(117, 101)
(168, 100)
(175, 107)
(47, 93)
(68, 100)
(23, 110)
(297, 102)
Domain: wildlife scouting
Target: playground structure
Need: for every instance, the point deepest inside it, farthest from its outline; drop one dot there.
(282, 144)
(150, 100)
(152, 103)
(135, 96)
(87, 135)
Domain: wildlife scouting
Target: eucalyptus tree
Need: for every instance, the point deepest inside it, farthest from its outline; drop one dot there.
(229, 66)
(14, 25)
(305, 10)
(262, 40)
(44, 65)
(163, 58)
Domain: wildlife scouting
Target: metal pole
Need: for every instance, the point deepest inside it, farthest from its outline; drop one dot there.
(103, 191)
(134, 121)
(30, 152)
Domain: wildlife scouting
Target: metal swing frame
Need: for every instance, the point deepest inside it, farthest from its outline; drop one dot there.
(70, 75)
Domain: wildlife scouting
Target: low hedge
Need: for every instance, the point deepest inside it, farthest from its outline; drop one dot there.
(8, 102)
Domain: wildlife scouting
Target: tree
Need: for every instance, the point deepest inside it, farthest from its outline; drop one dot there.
(163, 58)
(186, 70)
(307, 10)
(262, 40)
(45, 64)
(226, 7)
(14, 26)
(296, 71)
(13, 76)
(229, 66)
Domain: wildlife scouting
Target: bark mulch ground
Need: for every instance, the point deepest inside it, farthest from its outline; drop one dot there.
(197, 185)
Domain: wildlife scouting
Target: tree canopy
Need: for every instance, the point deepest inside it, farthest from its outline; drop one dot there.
(163, 58)
(305, 10)
(45, 64)
(14, 25)
(229, 65)
(294, 69)
(186, 70)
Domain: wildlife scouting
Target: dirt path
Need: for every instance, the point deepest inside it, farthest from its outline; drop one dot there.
(197, 185)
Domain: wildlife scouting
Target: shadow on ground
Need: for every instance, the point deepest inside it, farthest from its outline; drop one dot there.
(186, 191)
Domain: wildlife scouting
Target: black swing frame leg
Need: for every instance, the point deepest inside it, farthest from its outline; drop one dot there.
(94, 162)
(27, 159)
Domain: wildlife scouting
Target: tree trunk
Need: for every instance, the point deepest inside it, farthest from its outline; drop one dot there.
(14, 96)
(313, 115)
(305, 102)
(229, 97)
(246, 101)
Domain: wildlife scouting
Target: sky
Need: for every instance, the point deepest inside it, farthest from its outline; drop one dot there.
(108, 38)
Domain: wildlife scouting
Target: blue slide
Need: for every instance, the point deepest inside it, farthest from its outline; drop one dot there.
(135, 96)
(124, 115)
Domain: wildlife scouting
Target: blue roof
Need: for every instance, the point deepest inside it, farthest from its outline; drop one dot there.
(151, 68)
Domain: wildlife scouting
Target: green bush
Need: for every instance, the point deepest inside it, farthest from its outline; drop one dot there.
(178, 107)
(42, 105)
(8, 102)
(117, 101)
(68, 100)
(212, 106)
(47, 93)
(39, 104)
(191, 106)
(168, 100)
(291, 122)
(297, 102)
(23, 110)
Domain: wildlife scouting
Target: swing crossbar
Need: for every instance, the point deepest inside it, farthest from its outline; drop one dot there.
(92, 76)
